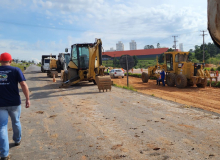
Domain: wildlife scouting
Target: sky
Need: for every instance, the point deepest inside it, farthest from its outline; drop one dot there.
(31, 28)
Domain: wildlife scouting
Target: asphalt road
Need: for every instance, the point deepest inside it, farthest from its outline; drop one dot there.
(79, 123)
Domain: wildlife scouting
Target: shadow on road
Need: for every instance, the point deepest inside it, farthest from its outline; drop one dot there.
(41, 95)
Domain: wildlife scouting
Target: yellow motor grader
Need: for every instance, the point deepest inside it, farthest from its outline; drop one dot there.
(86, 65)
(179, 71)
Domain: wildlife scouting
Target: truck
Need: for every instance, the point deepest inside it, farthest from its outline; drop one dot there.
(45, 62)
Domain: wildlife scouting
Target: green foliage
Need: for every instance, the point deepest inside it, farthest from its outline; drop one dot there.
(153, 78)
(116, 63)
(134, 75)
(214, 84)
(217, 84)
(212, 69)
(213, 60)
(211, 50)
(218, 68)
(125, 87)
(135, 60)
(170, 50)
(199, 55)
(161, 58)
(21, 66)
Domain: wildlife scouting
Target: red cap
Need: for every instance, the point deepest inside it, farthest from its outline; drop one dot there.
(5, 57)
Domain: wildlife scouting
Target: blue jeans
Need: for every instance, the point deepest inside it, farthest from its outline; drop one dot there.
(14, 112)
(160, 80)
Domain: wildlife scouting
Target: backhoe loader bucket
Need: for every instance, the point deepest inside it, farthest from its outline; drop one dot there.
(103, 83)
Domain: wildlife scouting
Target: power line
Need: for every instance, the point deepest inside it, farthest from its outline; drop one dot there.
(203, 44)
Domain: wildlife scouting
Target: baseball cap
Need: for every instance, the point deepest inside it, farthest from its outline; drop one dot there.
(5, 57)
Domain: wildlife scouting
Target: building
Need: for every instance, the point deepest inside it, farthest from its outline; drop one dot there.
(111, 50)
(133, 45)
(119, 46)
(181, 46)
(141, 54)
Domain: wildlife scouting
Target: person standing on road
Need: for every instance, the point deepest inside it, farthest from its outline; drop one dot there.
(162, 77)
(10, 102)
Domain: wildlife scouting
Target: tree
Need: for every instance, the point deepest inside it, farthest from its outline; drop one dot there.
(148, 47)
(170, 50)
(116, 62)
(135, 60)
(158, 45)
(161, 58)
(151, 47)
(190, 50)
(199, 54)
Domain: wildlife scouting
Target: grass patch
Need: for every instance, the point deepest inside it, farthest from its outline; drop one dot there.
(134, 75)
(213, 84)
(125, 87)
(153, 95)
(20, 65)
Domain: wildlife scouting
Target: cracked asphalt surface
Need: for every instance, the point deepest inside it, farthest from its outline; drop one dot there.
(79, 123)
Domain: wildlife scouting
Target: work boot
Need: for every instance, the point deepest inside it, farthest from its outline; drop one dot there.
(18, 143)
(5, 158)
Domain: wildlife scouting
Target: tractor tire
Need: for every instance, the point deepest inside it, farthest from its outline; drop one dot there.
(144, 77)
(171, 79)
(181, 81)
(202, 85)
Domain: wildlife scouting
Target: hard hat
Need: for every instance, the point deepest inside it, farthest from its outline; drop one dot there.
(5, 57)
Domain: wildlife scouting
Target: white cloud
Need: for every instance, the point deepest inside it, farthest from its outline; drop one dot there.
(145, 21)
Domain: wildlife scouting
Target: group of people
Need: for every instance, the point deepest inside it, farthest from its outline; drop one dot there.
(10, 102)
(161, 78)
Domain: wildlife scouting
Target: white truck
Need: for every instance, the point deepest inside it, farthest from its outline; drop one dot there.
(45, 62)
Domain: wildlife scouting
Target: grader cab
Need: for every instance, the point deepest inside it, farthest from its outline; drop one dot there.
(179, 71)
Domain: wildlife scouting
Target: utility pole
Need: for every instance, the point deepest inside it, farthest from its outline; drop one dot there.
(203, 44)
(114, 61)
(175, 42)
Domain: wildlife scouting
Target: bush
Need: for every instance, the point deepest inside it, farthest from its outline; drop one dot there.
(153, 78)
(212, 69)
(134, 75)
(218, 69)
(217, 84)
(213, 84)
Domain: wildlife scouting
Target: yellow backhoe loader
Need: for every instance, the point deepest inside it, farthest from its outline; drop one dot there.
(86, 65)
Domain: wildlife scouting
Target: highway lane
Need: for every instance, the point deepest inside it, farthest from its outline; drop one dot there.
(80, 123)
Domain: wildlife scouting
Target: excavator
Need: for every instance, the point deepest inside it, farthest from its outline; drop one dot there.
(86, 65)
(214, 20)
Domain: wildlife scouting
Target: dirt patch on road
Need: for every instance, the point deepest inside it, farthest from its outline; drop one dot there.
(205, 98)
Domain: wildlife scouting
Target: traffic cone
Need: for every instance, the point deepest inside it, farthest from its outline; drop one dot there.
(54, 79)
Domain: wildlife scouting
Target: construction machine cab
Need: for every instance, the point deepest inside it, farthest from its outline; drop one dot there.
(80, 55)
(174, 60)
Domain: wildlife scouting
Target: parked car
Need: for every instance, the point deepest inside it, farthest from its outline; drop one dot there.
(116, 73)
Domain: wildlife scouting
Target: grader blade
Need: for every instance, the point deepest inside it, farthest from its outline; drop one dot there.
(103, 83)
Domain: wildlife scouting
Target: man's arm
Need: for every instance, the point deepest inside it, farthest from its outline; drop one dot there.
(26, 93)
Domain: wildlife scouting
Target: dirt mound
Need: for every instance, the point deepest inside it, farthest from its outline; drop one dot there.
(205, 98)
(210, 65)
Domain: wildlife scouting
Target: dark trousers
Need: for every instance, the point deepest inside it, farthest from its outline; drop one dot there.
(160, 80)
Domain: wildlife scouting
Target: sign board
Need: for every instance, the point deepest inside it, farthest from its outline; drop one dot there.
(126, 61)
